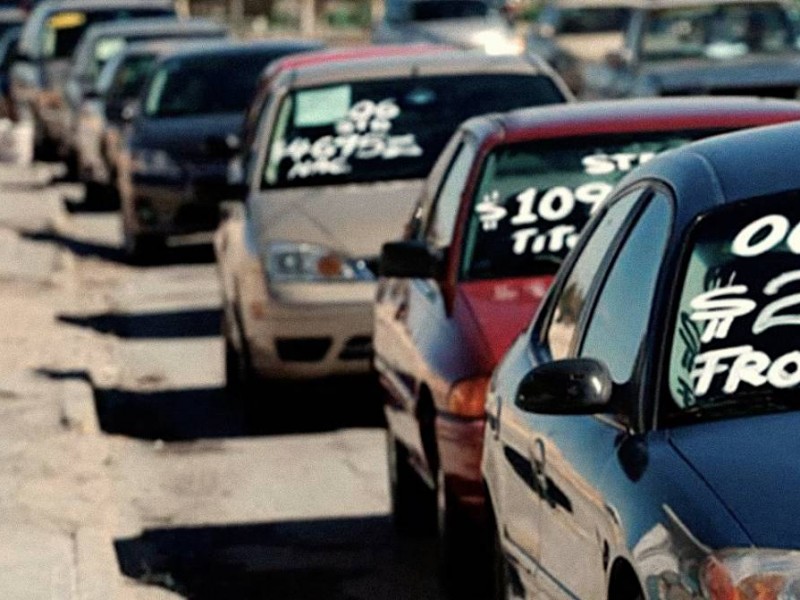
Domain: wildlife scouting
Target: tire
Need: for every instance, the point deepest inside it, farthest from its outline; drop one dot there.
(464, 547)
(413, 502)
(143, 248)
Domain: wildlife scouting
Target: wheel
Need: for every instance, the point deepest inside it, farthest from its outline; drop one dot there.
(413, 502)
(464, 548)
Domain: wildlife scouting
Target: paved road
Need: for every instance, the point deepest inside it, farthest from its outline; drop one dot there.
(290, 503)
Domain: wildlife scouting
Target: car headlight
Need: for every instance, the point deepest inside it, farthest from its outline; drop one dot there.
(292, 262)
(155, 163)
(496, 43)
(751, 574)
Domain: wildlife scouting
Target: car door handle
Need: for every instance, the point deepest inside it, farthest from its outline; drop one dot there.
(538, 457)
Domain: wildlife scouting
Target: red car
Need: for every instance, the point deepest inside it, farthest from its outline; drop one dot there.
(500, 210)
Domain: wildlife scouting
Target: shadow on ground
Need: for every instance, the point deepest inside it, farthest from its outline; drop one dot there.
(179, 254)
(278, 409)
(163, 325)
(335, 559)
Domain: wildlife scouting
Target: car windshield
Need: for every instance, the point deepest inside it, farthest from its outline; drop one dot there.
(431, 10)
(129, 77)
(191, 86)
(586, 20)
(735, 346)
(63, 30)
(385, 129)
(533, 198)
(726, 31)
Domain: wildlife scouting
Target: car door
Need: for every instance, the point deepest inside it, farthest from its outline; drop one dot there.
(409, 312)
(577, 527)
(524, 485)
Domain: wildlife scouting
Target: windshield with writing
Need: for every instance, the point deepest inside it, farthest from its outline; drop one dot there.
(386, 129)
(534, 198)
(735, 345)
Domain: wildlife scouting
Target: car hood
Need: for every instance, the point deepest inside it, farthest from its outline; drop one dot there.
(465, 33)
(184, 136)
(354, 219)
(697, 75)
(753, 465)
(503, 308)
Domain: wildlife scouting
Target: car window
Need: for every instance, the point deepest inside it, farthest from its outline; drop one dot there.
(439, 230)
(734, 347)
(592, 20)
(618, 322)
(386, 129)
(533, 198)
(574, 294)
(718, 32)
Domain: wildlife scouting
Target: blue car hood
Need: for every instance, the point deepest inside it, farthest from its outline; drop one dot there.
(184, 136)
(753, 465)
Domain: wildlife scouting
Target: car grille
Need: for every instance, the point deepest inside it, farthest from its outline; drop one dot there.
(303, 349)
(357, 348)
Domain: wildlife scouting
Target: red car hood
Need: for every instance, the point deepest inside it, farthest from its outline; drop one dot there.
(502, 308)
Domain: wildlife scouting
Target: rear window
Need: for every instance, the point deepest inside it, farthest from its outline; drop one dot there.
(735, 346)
(63, 30)
(586, 20)
(385, 129)
(533, 199)
(192, 86)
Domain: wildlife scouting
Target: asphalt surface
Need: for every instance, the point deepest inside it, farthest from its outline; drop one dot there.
(289, 502)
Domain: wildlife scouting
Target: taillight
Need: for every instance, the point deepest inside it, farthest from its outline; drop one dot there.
(467, 397)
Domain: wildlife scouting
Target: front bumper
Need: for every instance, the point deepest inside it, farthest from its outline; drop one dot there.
(308, 330)
(189, 204)
(460, 443)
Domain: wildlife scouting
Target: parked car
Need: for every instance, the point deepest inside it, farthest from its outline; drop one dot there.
(718, 47)
(641, 435)
(46, 44)
(499, 213)
(173, 169)
(349, 144)
(99, 44)
(468, 24)
(569, 34)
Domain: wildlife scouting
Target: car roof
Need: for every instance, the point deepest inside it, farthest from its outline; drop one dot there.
(449, 62)
(162, 46)
(726, 168)
(654, 4)
(650, 114)
(12, 15)
(94, 5)
(229, 46)
(152, 27)
(349, 53)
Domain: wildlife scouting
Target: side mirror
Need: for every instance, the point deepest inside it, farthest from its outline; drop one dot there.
(619, 59)
(576, 386)
(410, 258)
(130, 111)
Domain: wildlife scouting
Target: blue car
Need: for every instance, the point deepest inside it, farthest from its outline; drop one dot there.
(641, 438)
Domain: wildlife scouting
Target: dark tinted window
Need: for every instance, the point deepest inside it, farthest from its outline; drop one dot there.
(386, 129)
(591, 20)
(735, 346)
(448, 199)
(618, 323)
(131, 76)
(193, 86)
(573, 296)
(431, 10)
(534, 198)
(64, 29)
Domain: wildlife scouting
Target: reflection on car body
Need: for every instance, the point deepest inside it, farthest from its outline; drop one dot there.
(497, 217)
(669, 394)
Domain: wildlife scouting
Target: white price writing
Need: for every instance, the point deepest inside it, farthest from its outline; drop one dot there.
(762, 235)
(719, 308)
(364, 134)
(604, 164)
